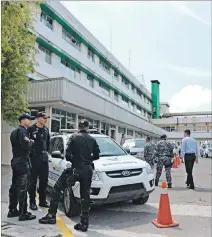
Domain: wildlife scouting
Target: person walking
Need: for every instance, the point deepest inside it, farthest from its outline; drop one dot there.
(82, 150)
(39, 159)
(164, 154)
(190, 153)
(149, 153)
(20, 163)
(123, 139)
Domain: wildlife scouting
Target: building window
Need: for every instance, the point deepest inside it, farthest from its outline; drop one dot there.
(71, 39)
(125, 82)
(133, 88)
(138, 109)
(47, 20)
(90, 81)
(104, 89)
(138, 135)
(116, 96)
(104, 66)
(121, 130)
(129, 132)
(138, 92)
(68, 65)
(48, 54)
(124, 101)
(115, 74)
(90, 55)
(132, 105)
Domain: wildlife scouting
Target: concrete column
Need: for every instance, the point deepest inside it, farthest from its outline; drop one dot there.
(48, 111)
(116, 133)
(100, 124)
(77, 121)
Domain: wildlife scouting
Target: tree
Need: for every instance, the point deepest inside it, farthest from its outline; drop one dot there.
(17, 57)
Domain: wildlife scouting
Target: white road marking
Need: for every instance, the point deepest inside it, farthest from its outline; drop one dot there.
(176, 209)
(118, 233)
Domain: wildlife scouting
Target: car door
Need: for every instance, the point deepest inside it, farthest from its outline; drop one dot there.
(52, 176)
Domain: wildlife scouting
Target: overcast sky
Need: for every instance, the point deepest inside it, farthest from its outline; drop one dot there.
(169, 42)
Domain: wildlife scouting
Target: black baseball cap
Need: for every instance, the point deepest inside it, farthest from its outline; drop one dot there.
(26, 116)
(42, 115)
(84, 123)
(163, 136)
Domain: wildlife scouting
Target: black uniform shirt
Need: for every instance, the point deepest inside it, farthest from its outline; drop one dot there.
(82, 149)
(20, 143)
(41, 138)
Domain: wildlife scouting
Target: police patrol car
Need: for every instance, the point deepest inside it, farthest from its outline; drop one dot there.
(117, 177)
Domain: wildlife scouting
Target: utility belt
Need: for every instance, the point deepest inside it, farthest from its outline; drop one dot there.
(21, 164)
(43, 155)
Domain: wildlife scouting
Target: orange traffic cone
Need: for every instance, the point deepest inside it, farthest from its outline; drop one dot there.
(164, 219)
(175, 163)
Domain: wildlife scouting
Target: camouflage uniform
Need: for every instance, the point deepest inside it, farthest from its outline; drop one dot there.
(164, 154)
(149, 153)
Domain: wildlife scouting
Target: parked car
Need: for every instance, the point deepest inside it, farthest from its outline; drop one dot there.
(118, 176)
(135, 147)
(206, 150)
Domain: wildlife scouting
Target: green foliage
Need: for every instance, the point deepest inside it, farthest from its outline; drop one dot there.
(17, 57)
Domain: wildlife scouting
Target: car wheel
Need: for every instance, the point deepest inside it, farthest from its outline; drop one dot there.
(71, 206)
(140, 201)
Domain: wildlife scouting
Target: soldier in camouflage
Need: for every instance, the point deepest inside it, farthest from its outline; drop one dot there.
(149, 152)
(164, 154)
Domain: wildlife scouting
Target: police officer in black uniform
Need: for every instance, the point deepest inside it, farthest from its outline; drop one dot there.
(39, 160)
(81, 151)
(21, 145)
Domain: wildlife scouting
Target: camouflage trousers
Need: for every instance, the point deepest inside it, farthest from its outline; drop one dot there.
(159, 169)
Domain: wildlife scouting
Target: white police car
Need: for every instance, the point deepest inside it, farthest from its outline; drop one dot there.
(118, 176)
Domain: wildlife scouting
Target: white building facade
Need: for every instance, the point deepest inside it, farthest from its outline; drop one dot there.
(76, 77)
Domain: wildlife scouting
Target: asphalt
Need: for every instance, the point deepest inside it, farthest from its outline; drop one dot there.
(191, 208)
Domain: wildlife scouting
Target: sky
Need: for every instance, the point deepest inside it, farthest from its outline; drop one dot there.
(166, 41)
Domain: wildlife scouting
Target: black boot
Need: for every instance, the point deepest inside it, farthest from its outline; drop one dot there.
(13, 213)
(44, 204)
(33, 206)
(83, 226)
(26, 217)
(48, 219)
(156, 183)
(169, 185)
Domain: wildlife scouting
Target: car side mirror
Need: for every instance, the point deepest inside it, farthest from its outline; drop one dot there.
(127, 150)
(57, 154)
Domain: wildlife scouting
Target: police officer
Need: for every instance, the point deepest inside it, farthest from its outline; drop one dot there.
(149, 152)
(164, 154)
(39, 159)
(81, 151)
(21, 145)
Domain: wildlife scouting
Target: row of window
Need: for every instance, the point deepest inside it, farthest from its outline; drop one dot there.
(48, 21)
(90, 81)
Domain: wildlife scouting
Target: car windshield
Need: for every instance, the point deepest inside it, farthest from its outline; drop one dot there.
(131, 143)
(108, 147)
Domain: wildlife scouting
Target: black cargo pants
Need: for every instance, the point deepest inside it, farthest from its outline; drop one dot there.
(40, 169)
(83, 174)
(189, 164)
(19, 186)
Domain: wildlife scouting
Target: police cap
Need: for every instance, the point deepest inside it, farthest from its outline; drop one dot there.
(84, 124)
(163, 136)
(42, 115)
(26, 116)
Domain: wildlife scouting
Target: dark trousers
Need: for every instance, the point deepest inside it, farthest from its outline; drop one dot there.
(39, 170)
(83, 174)
(189, 164)
(18, 191)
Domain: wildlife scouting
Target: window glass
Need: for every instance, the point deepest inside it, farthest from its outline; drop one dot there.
(90, 55)
(47, 20)
(59, 145)
(53, 144)
(108, 147)
(48, 54)
(70, 39)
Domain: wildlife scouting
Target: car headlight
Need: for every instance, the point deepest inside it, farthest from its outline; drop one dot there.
(148, 169)
(95, 176)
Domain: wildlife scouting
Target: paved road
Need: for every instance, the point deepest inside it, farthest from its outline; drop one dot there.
(192, 209)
